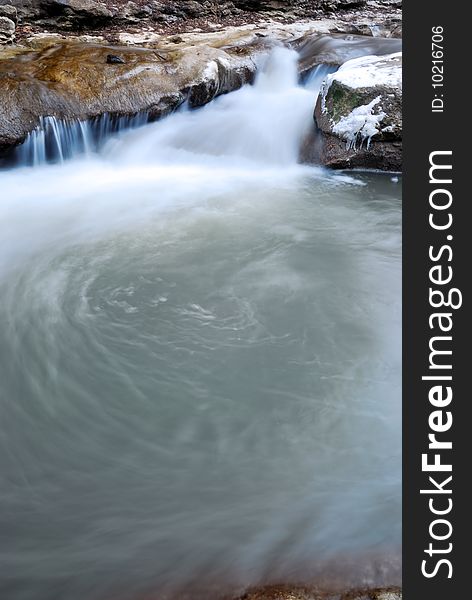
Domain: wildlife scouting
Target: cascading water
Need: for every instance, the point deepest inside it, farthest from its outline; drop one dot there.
(264, 124)
(337, 49)
(56, 140)
(314, 79)
(200, 360)
(249, 132)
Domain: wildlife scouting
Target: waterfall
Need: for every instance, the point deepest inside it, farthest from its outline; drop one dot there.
(56, 140)
(314, 79)
(262, 122)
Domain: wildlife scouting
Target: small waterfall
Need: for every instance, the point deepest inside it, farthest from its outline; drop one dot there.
(260, 124)
(56, 140)
(251, 123)
(313, 80)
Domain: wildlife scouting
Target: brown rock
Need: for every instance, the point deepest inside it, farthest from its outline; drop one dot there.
(73, 81)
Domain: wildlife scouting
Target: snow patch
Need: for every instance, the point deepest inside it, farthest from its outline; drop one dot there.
(369, 71)
(210, 72)
(361, 123)
(365, 72)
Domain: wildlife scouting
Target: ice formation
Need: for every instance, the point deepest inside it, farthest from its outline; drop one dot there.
(361, 123)
(364, 72)
(368, 71)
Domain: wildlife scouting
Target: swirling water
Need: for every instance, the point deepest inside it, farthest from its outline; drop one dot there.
(199, 361)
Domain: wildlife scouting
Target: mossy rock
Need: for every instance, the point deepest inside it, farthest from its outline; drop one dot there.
(358, 115)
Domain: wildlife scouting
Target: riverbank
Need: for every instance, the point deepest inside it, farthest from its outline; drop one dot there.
(110, 18)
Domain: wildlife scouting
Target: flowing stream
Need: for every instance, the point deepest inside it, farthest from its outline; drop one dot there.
(199, 360)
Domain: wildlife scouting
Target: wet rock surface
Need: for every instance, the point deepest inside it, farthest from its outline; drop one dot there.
(80, 81)
(73, 78)
(77, 59)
